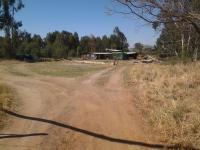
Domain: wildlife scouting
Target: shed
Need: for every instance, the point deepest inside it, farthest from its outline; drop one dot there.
(131, 55)
(113, 50)
(118, 55)
(102, 55)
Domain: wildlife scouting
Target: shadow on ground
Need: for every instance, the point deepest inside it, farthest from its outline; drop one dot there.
(93, 134)
(9, 136)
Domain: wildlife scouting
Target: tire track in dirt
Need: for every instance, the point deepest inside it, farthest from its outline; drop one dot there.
(80, 103)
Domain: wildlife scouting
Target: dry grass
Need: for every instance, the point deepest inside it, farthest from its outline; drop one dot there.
(6, 101)
(169, 96)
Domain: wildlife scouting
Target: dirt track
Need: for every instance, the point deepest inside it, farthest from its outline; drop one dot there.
(86, 116)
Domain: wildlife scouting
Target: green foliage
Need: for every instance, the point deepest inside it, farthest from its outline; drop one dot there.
(178, 42)
(120, 39)
(117, 40)
(7, 10)
(9, 25)
(181, 39)
(118, 56)
(139, 47)
(5, 47)
(60, 44)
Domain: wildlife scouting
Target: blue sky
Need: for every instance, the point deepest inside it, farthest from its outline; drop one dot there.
(83, 16)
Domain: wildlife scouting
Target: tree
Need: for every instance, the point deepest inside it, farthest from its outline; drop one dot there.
(139, 47)
(114, 42)
(99, 45)
(3, 44)
(158, 12)
(84, 44)
(8, 8)
(65, 43)
(121, 38)
(180, 42)
(51, 37)
(77, 42)
(49, 40)
(105, 42)
(60, 49)
(23, 38)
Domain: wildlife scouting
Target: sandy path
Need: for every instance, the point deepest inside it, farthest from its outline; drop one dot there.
(107, 110)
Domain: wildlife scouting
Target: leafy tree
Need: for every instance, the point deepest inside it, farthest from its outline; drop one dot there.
(8, 8)
(51, 37)
(121, 38)
(139, 47)
(84, 44)
(5, 45)
(183, 43)
(105, 42)
(99, 45)
(77, 42)
(60, 49)
(114, 42)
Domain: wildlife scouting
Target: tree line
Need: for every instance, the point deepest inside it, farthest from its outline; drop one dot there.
(59, 44)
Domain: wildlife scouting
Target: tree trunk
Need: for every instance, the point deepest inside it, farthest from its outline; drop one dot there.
(182, 46)
(196, 54)
(188, 43)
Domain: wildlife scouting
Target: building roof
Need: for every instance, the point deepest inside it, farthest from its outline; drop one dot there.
(130, 53)
(102, 53)
(110, 53)
(113, 50)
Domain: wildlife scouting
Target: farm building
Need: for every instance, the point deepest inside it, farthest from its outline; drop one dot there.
(131, 55)
(102, 55)
(115, 54)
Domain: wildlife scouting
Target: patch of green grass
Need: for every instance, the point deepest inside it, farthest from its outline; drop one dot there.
(63, 69)
(55, 69)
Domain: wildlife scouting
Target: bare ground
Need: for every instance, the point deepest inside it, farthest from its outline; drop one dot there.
(74, 114)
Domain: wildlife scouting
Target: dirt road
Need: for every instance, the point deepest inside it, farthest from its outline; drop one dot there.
(74, 114)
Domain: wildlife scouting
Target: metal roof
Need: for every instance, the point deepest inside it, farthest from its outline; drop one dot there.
(113, 50)
(130, 53)
(101, 53)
